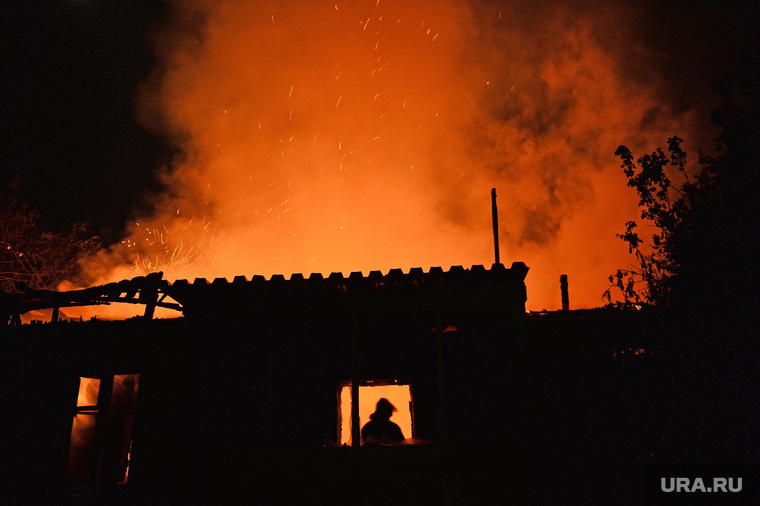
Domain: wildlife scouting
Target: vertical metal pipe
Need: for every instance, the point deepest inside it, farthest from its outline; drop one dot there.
(495, 219)
(563, 289)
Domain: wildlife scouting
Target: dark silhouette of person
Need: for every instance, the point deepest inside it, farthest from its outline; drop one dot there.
(380, 430)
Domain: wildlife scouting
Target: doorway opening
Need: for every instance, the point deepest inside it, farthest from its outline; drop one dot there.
(100, 446)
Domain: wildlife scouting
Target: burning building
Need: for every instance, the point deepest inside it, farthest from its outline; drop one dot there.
(260, 388)
(325, 136)
(254, 369)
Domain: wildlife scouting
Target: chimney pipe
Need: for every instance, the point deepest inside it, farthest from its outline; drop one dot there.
(495, 219)
(563, 288)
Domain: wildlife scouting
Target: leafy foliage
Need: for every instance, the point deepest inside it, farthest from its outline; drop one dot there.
(31, 255)
(706, 240)
(680, 213)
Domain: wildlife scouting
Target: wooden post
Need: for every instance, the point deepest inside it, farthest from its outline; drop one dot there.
(356, 430)
(149, 293)
(269, 389)
(443, 421)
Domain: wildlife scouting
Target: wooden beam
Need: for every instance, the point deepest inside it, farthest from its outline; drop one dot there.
(356, 434)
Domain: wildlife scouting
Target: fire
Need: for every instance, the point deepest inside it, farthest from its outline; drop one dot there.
(322, 137)
(100, 443)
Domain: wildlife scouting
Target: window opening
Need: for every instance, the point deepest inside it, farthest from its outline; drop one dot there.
(399, 393)
(101, 430)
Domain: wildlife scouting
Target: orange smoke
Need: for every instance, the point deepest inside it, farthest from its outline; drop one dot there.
(365, 135)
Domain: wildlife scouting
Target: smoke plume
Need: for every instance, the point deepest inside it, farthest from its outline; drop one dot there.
(366, 135)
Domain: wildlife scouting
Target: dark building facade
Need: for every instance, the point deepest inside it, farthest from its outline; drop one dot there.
(252, 372)
(242, 397)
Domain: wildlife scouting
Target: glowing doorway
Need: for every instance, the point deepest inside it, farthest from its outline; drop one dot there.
(370, 391)
(101, 431)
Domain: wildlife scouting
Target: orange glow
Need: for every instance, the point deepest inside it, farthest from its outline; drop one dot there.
(83, 433)
(322, 137)
(100, 444)
(398, 395)
(89, 388)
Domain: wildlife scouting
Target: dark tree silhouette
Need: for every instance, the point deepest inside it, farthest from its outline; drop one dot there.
(702, 253)
(687, 217)
(31, 255)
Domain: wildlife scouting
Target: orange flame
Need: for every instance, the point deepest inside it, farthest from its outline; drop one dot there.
(321, 137)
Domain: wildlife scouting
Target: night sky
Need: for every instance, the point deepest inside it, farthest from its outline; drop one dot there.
(70, 70)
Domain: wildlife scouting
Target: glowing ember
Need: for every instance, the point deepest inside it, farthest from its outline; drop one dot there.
(321, 137)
